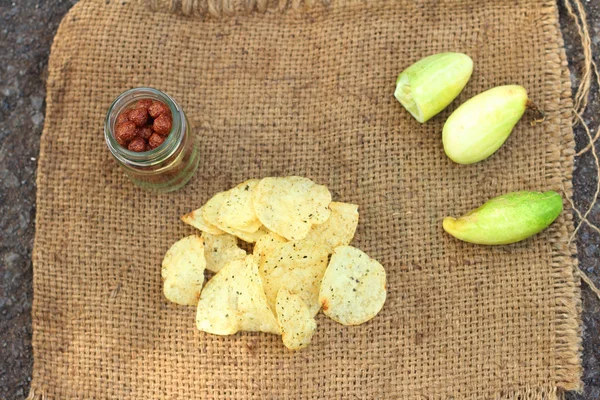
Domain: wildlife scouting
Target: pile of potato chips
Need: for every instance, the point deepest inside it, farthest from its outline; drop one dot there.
(289, 277)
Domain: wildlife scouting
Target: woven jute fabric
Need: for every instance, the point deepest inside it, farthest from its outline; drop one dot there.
(299, 88)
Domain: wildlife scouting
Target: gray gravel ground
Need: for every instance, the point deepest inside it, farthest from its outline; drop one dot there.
(26, 31)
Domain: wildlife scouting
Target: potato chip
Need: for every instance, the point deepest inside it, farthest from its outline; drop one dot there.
(295, 320)
(234, 300)
(296, 266)
(183, 271)
(237, 212)
(219, 250)
(196, 220)
(210, 210)
(290, 206)
(249, 237)
(353, 289)
(267, 244)
(339, 229)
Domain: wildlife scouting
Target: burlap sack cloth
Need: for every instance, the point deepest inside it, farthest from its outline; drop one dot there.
(306, 90)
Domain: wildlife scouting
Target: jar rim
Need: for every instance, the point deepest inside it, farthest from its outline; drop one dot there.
(154, 156)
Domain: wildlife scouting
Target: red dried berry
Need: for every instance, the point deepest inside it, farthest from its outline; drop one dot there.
(162, 124)
(145, 132)
(155, 140)
(125, 132)
(144, 103)
(138, 144)
(123, 117)
(157, 108)
(139, 116)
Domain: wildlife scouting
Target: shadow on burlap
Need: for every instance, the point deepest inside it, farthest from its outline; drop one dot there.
(306, 89)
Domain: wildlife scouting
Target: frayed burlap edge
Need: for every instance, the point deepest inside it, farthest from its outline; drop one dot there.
(568, 299)
(217, 8)
(522, 394)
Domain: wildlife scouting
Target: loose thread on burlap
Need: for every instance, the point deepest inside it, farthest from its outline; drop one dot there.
(593, 141)
(577, 13)
(583, 275)
(594, 227)
(583, 218)
(581, 96)
(590, 68)
(33, 395)
(595, 198)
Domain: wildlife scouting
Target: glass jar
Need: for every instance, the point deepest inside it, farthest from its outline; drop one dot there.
(169, 166)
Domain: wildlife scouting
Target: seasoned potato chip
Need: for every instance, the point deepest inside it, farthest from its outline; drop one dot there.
(296, 266)
(249, 237)
(234, 300)
(291, 206)
(268, 244)
(295, 320)
(196, 220)
(219, 250)
(210, 210)
(353, 289)
(237, 212)
(183, 271)
(339, 229)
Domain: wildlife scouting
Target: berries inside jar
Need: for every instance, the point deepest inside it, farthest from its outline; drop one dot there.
(144, 126)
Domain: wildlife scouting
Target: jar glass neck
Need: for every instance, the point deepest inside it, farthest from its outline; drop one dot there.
(157, 155)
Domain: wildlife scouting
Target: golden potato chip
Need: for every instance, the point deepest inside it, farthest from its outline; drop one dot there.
(339, 229)
(353, 289)
(237, 212)
(219, 250)
(234, 300)
(291, 206)
(183, 271)
(295, 320)
(267, 244)
(210, 210)
(298, 267)
(249, 237)
(196, 220)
